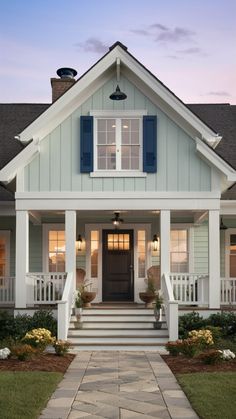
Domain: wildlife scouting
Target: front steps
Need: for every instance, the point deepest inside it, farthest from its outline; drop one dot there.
(117, 327)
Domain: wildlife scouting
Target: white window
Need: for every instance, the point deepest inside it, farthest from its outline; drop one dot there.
(179, 255)
(54, 248)
(118, 144)
(4, 253)
(141, 253)
(94, 237)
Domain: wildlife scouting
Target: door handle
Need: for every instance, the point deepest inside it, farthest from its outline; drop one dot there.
(131, 267)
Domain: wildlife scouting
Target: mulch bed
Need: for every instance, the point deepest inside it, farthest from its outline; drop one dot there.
(43, 362)
(183, 365)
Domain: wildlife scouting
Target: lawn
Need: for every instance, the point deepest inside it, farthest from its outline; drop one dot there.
(212, 395)
(24, 394)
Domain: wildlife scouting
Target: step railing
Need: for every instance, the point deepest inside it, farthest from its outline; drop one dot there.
(228, 291)
(190, 288)
(7, 290)
(45, 288)
(171, 307)
(65, 307)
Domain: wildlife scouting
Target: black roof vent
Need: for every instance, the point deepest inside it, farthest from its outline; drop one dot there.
(66, 73)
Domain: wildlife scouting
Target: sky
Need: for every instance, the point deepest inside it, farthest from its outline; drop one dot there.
(190, 45)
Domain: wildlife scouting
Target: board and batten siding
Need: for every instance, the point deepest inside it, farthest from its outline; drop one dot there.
(57, 167)
(201, 249)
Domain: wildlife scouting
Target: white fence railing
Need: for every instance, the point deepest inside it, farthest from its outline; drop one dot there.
(171, 307)
(228, 291)
(45, 288)
(64, 308)
(7, 290)
(190, 289)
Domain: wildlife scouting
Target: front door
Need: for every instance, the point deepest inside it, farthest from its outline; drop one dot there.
(118, 265)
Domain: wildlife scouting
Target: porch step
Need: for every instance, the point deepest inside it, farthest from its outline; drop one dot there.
(117, 327)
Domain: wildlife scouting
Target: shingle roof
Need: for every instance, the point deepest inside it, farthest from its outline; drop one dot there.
(13, 119)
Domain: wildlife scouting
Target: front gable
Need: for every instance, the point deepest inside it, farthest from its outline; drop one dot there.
(57, 166)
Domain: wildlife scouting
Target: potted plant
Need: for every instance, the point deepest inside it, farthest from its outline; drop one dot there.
(157, 310)
(148, 296)
(78, 306)
(86, 295)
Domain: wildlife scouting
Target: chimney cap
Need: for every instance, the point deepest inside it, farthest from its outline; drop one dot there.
(66, 73)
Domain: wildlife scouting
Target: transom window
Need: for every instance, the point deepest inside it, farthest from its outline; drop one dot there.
(118, 144)
(179, 251)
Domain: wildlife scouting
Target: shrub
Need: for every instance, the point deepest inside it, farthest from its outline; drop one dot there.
(174, 347)
(202, 338)
(216, 332)
(61, 347)
(225, 320)
(23, 351)
(39, 338)
(188, 322)
(211, 356)
(189, 348)
(6, 319)
(44, 319)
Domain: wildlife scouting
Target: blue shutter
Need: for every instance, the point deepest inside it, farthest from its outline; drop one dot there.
(86, 144)
(150, 144)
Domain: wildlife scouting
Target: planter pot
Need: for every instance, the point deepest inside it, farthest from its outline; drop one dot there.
(78, 313)
(157, 313)
(87, 297)
(157, 325)
(147, 298)
(79, 325)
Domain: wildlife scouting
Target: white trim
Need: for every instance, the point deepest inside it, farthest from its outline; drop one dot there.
(116, 173)
(139, 284)
(227, 249)
(8, 172)
(46, 228)
(190, 242)
(216, 160)
(6, 234)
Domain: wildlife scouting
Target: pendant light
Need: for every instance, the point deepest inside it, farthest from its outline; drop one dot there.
(117, 221)
(118, 95)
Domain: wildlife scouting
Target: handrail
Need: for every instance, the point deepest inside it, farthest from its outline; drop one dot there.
(64, 308)
(171, 307)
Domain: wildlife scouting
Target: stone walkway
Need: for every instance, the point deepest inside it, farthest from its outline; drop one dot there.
(118, 385)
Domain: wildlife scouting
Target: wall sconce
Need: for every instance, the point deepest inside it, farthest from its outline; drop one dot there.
(155, 243)
(222, 225)
(79, 243)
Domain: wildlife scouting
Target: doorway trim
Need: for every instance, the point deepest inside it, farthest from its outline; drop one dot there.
(139, 284)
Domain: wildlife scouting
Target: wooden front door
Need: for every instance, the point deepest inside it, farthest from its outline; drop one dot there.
(118, 265)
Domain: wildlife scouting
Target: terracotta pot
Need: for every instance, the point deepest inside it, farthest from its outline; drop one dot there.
(87, 297)
(147, 298)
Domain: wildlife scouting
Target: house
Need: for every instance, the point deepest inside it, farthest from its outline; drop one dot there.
(77, 168)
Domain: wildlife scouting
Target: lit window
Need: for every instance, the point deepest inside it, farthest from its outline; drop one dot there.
(94, 253)
(232, 264)
(118, 144)
(118, 241)
(57, 250)
(3, 258)
(179, 251)
(141, 253)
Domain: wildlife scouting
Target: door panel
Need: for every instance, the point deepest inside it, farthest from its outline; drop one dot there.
(118, 265)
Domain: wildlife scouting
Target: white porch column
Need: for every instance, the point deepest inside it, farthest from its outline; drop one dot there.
(70, 233)
(164, 242)
(22, 257)
(214, 259)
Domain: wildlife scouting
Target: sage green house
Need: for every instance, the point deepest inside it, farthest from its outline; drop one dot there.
(117, 179)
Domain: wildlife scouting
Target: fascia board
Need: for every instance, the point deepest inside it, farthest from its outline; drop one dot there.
(8, 172)
(216, 160)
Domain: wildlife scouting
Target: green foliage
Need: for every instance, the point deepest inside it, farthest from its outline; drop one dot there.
(22, 351)
(210, 357)
(78, 300)
(189, 348)
(17, 327)
(158, 301)
(188, 322)
(216, 332)
(174, 347)
(225, 320)
(61, 347)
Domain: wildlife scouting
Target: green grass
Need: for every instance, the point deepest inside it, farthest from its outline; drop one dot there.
(24, 394)
(212, 395)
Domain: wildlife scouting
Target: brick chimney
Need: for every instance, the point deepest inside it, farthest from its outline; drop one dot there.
(61, 85)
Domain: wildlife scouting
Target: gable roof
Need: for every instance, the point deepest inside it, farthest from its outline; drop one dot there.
(33, 118)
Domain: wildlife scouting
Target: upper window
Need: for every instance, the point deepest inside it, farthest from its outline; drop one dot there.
(118, 144)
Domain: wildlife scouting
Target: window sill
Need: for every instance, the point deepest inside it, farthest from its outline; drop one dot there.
(116, 174)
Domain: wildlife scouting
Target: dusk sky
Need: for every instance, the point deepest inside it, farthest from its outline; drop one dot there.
(190, 45)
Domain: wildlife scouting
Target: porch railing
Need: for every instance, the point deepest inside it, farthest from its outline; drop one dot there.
(171, 307)
(65, 307)
(45, 288)
(7, 290)
(228, 291)
(190, 289)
